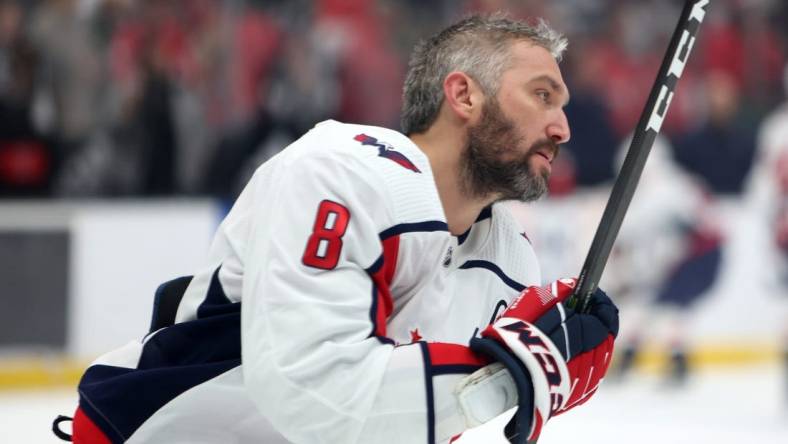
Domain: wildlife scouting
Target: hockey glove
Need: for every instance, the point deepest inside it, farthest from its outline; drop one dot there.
(565, 354)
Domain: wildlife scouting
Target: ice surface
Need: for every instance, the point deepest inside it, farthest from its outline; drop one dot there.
(743, 405)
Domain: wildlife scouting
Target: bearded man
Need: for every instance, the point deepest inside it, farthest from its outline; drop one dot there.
(367, 286)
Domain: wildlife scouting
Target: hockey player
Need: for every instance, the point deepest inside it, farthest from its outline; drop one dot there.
(667, 257)
(767, 195)
(366, 287)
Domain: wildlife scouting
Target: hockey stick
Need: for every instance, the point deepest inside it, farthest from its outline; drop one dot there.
(645, 133)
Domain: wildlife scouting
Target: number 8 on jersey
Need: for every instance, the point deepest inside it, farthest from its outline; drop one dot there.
(325, 243)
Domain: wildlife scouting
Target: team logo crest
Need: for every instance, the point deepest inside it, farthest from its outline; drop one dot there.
(387, 151)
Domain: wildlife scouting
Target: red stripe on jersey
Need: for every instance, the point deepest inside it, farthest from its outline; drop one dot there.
(84, 431)
(383, 278)
(390, 254)
(442, 353)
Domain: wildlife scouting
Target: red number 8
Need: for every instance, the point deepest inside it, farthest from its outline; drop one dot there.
(325, 243)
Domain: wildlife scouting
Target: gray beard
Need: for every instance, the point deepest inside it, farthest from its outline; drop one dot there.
(511, 181)
(483, 170)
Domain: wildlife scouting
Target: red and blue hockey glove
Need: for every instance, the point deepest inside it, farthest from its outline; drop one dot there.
(563, 354)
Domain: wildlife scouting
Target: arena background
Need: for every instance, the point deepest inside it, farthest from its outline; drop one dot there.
(128, 127)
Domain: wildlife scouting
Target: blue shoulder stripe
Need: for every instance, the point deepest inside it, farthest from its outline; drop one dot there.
(427, 226)
(487, 265)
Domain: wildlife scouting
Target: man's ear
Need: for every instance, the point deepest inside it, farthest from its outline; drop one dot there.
(463, 96)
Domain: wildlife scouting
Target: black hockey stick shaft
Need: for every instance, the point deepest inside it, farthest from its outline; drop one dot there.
(645, 133)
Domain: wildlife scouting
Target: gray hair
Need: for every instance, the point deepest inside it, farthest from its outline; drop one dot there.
(478, 46)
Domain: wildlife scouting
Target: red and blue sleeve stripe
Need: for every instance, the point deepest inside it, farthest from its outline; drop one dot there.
(382, 274)
(443, 359)
(383, 270)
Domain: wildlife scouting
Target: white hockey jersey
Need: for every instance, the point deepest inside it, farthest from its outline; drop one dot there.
(357, 308)
(767, 197)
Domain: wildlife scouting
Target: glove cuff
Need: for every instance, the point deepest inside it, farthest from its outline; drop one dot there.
(525, 393)
(549, 374)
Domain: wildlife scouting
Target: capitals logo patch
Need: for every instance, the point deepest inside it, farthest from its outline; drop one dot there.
(387, 151)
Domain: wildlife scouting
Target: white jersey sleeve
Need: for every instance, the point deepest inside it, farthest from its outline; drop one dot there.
(335, 308)
(316, 359)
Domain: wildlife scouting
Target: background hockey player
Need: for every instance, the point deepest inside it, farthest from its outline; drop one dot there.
(358, 265)
(666, 258)
(768, 197)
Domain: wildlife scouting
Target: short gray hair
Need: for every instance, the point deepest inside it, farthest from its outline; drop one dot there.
(478, 46)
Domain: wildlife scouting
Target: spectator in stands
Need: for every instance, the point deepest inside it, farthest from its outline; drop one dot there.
(720, 150)
(594, 142)
(212, 66)
(26, 158)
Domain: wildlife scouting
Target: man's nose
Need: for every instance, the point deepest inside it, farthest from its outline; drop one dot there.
(558, 129)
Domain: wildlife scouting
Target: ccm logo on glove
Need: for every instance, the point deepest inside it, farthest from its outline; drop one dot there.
(530, 337)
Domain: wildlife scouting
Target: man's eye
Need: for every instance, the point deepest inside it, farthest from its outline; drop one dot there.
(544, 95)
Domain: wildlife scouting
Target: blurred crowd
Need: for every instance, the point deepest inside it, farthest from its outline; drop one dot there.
(106, 98)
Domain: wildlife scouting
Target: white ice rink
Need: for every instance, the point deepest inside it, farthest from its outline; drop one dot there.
(739, 406)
